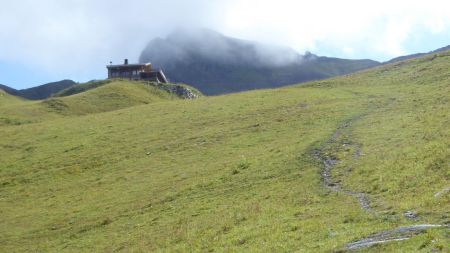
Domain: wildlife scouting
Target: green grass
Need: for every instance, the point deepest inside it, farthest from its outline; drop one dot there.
(230, 173)
(108, 96)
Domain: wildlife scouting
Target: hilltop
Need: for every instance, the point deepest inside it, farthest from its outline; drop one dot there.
(217, 64)
(91, 97)
(308, 168)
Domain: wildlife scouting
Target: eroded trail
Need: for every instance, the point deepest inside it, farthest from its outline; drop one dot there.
(326, 154)
(327, 157)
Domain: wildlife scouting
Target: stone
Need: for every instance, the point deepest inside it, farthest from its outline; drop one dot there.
(410, 215)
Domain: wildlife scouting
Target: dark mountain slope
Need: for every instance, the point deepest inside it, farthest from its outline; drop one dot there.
(40, 92)
(9, 90)
(217, 64)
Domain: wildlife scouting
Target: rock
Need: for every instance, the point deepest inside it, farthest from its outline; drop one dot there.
(410, 215)
(180, 91)
(398, 234)
(442, 192)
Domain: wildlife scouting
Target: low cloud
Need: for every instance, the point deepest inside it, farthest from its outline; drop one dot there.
(184, 43)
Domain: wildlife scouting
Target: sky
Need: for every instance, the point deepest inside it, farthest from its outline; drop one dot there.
(49, 40)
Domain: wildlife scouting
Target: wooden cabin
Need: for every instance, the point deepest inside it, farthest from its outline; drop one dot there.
(136, 72)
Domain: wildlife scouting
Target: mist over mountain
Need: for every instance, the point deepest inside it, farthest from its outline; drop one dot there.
(39, 92)
(184, 44)
(217, 64)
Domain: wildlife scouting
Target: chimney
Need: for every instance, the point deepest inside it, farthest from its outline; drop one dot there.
(125, 62)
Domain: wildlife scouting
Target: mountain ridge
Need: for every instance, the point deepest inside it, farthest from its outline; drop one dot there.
(42, 91)
(417, 55)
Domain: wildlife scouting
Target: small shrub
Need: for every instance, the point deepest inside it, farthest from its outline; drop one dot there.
(106, 222)
(242, 165)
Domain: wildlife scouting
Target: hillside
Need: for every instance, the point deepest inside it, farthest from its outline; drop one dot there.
(418, 55)
(111, 96)
(88, 98)
(39, 92)
(217, 64)
(308, 168)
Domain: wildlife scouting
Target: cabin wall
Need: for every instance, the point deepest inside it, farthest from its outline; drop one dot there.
(136, 73)
(126, 73)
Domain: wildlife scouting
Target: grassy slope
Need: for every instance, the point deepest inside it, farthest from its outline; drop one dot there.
(111, 96)
(234, 173)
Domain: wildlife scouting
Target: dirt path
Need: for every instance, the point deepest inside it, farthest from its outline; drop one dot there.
(328, 161)
(326, 155)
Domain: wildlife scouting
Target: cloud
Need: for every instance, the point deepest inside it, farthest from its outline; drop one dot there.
(76, 38)
(382, 27)
(185, 44)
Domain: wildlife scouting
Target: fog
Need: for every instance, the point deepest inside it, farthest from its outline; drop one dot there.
(184, 43)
